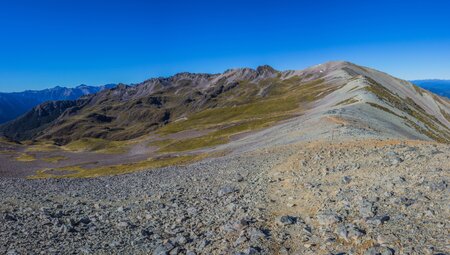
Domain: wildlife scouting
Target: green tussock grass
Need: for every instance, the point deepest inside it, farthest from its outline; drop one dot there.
(97, 145)
(7, 152)
(218, 137)
(247, 108)
(441, 100)
(78, 171)
(348, 101)
(277, 102)
(41, 147)
(283, 100)
(418, 89)
(6, 141)
(434, 129)
(445, 114)
(219, 116)
(384, 109)
(54, 159)
(354, 88)
(24, 157)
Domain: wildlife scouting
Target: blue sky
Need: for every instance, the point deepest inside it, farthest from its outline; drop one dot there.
(48, 43)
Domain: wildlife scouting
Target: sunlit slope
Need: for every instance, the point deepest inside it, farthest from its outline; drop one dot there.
(235, 101)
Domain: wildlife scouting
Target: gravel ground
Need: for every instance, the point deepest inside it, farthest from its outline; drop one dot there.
(363, 197)
(199, 209)
(366, 197)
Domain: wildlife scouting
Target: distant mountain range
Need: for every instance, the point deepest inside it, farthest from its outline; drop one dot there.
(12, 105)
(440, 87)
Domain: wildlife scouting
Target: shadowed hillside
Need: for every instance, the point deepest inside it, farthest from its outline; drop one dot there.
(12, 105)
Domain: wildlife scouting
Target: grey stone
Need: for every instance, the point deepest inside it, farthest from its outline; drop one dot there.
(379, 250)
(256, 234)
(123, 224)
(163, 249)
(378, 220)
(226, 190)
(251, 251)
(85, 220)
(287, 220)
(203, 243)
(346, 179)
(355, 232)
(9, 217)
(240, 240)
(328, 219)
(341, 231)
(367, 209)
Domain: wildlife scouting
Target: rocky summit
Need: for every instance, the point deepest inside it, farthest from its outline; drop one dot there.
(334, 159)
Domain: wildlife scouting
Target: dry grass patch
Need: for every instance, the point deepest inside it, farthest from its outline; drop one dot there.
(79, 171)
(6, 141)
(54, 159)
(24, 157)
(283, 100)
(445, 114)
(7, 152)
(348, 101)
(218, 137)
(433, 128)
(97, 145)
(42, 147)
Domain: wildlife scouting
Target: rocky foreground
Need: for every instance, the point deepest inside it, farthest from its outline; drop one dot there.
(361, 197)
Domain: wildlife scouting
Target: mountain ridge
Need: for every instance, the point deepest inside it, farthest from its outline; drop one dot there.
(128, 112)
(14, 104)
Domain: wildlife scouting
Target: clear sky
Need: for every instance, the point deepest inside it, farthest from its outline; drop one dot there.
(66, 42)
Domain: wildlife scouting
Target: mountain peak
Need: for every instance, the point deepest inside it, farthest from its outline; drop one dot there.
(265, 69)
(333, 65)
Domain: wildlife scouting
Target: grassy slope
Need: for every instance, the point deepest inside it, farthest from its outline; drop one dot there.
(284, 99)
(23, 157)
(433, 128)
(97, 145)
(246, 107)
(235, 109)
(79, 171)
(242, 108)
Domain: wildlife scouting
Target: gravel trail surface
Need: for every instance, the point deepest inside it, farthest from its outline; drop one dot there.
(360, 197)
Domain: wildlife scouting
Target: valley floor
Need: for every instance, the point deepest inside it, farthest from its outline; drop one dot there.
(345, 197)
